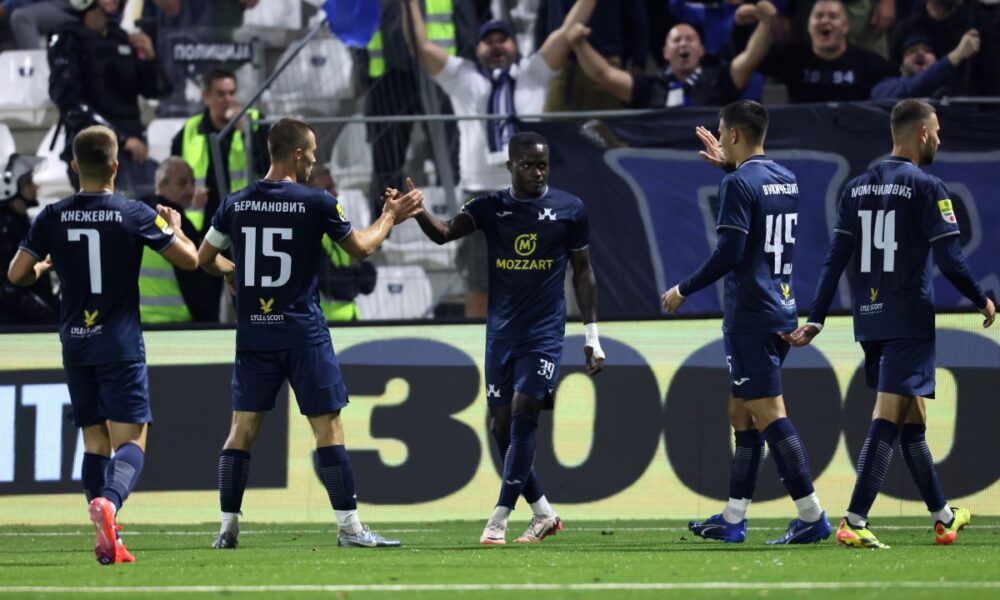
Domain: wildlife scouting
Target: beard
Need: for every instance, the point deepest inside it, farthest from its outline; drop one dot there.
(927, 155)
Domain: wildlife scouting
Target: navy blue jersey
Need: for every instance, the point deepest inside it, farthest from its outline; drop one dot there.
(761, 199)
(894, 212)
(276, 230)
(529, 243)
(96, 242)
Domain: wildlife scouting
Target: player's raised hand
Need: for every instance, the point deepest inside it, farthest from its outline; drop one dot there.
(171, 216)
(404, 206)
(801, 336)
(990, 312)
(43, 265)
(672, 299)
(712, 154)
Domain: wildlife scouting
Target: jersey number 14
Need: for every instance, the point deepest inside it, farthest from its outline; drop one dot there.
(883, 237)
(780, 230)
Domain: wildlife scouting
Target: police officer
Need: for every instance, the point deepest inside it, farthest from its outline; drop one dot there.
(21, 305)
(97, 75)
(168, 294)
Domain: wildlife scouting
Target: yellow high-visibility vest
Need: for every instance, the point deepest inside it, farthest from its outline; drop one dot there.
(196, 153)
(337, 310)
(160, 298)
(440, 31)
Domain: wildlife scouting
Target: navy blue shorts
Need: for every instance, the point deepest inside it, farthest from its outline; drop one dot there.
(527, 366)
(116, 392)
(904, 367)
(755, 361)
(312, 371)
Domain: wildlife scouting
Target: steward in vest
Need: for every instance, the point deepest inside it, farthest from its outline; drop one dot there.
(168, 294)
(191, 142)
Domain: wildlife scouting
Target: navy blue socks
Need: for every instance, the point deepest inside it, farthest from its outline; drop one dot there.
(122, 473)
(873, 464)
(92, 474)
(234, 470)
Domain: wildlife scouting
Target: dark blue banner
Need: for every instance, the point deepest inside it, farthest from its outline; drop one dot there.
(653, 202)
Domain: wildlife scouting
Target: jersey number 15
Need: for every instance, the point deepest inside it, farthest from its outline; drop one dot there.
(268, 235)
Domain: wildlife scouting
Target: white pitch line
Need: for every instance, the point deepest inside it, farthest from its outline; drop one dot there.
(512, 587)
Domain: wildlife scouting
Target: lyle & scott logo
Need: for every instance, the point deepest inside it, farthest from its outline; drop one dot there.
(89, 317)
(873, 294)
(266, 306)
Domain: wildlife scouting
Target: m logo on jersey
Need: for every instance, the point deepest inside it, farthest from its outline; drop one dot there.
(162, 225)
(266, 306)
(547, 215)
(947, 210)
(492, 391)
(340, 212)
(526, 243)
(89, 318)
(873, 294)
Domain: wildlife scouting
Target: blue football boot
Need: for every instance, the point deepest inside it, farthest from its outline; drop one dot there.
(717, 528)
(801, 532)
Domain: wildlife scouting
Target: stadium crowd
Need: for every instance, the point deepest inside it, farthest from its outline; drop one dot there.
(114, 62)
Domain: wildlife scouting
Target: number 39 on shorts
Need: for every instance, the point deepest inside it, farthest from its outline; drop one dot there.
(546, 368)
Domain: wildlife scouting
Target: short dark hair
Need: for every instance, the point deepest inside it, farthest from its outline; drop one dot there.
(907, 113)
(524, 140)
(747, 116)
(212, 75)
(95, 150)
(286, 136)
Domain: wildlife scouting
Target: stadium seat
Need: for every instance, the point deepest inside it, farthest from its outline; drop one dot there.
(52, 180)
(320, 72)
(351, 162)
(272, 22)
(408, 245)
(357, 207)
(160, 133)
(7, 146)
(24, 79)
(400, 293)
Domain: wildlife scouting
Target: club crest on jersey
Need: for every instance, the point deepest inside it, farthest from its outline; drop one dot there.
(547, 215)
(947, 210)
(266, 308)
(492, 391)
(340, 212)
(525, 244)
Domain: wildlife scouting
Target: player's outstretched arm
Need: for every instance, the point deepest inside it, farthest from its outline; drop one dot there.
(25, 269)
(585, 286)
(841, 249)
(182, 253)
(442, 232)
(728, 253)
(396, 209)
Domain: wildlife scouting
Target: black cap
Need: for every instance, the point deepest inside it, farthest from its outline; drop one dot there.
(490, 26)
(915, 39)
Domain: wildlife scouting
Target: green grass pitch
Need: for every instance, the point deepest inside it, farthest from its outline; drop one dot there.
(590, 559)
